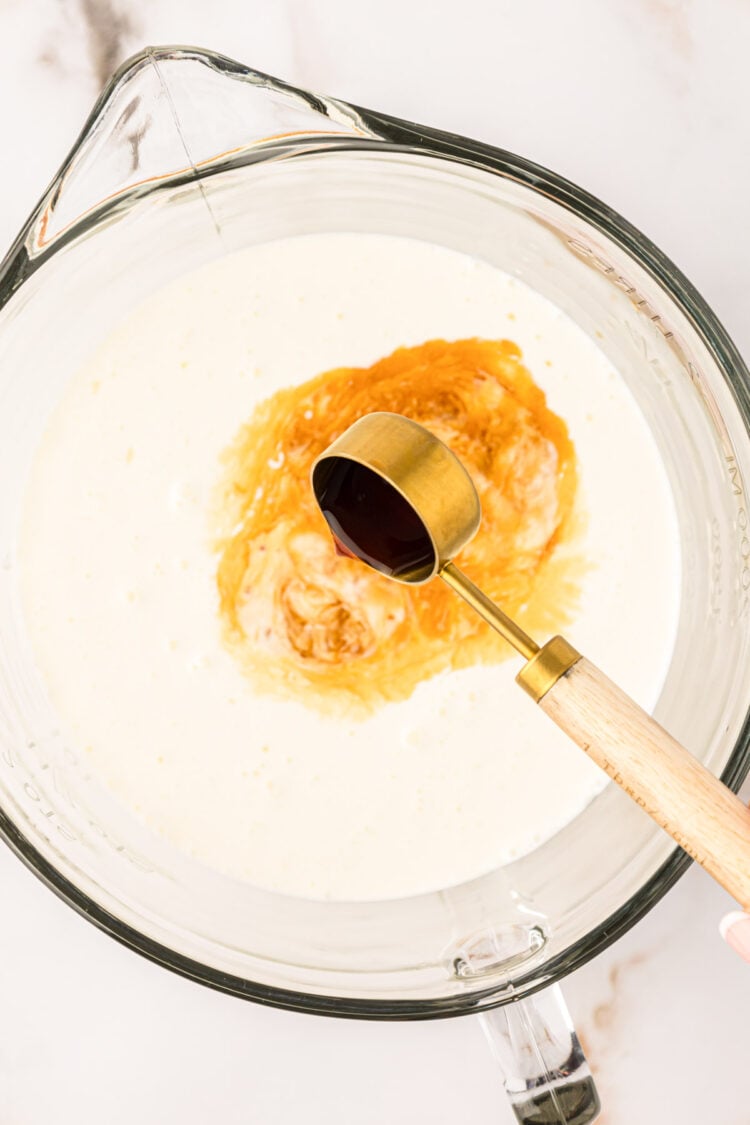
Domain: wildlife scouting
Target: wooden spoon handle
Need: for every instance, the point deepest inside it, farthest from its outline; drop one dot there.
(694, 807)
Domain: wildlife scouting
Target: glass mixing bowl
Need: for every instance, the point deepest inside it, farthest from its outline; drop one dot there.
(188, 156)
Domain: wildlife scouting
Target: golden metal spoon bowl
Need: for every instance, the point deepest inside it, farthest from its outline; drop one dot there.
(420, 470)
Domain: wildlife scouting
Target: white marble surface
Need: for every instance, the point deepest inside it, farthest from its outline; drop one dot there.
(645, 103)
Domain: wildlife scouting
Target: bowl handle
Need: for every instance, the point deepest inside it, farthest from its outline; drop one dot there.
(545, 1072)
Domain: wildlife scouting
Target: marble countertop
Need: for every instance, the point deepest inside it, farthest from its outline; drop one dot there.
(644, 103)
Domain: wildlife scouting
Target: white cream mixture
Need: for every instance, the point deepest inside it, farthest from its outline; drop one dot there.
(120, 593)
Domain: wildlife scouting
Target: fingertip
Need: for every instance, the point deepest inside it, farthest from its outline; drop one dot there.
(735, 929)
(729, 920)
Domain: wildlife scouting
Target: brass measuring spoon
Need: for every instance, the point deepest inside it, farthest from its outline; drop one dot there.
(398, 499)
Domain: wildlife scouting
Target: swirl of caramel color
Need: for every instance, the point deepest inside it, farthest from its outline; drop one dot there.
(307, 623)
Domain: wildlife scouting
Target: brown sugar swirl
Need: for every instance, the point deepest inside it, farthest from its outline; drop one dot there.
(309, 624)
